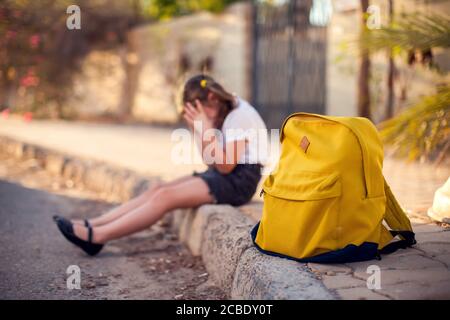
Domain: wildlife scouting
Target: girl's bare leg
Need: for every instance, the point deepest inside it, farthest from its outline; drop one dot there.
(130, 205)
(188, 194)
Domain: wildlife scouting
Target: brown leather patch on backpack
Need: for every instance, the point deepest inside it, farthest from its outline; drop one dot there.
(304, 143)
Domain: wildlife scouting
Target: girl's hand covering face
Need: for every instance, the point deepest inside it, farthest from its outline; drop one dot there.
(193, 114)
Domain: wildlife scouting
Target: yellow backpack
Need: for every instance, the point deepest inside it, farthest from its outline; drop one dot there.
(327, 199)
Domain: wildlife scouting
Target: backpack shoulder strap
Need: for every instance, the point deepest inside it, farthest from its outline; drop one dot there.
(395, 217)
(399, 223)
(407, 241)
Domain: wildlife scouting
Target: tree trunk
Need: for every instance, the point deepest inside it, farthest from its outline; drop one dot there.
(132, 68)
(364, 71)
(391, 72)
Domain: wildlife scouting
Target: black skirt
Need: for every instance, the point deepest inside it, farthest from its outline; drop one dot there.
(235, 188)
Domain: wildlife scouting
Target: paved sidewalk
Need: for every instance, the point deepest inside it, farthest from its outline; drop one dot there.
(144, 149)
(421, 272)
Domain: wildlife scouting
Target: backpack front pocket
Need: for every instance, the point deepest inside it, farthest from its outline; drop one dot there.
(301, 214)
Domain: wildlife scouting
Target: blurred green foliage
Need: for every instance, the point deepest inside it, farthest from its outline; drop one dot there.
(410, 32)
(165, 9)
(39, 55)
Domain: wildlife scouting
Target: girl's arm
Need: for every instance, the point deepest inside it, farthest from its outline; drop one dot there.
(228, 155)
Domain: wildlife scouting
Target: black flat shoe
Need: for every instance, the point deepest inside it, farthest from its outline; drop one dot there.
(56, 218)
(66, 228)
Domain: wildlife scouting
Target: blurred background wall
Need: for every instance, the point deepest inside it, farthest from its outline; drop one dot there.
(144, 76)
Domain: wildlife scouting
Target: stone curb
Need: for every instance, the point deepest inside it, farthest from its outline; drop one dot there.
(117, 183)
(220, 234)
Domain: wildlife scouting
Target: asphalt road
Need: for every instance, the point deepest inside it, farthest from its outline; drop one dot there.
(34, 257)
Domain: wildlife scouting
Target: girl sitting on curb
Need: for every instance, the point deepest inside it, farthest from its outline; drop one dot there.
(231, 180)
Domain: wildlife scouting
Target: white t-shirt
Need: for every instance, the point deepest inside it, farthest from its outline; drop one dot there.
(245, 123)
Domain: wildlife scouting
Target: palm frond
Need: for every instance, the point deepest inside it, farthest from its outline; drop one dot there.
(422, 130)
(410, 32)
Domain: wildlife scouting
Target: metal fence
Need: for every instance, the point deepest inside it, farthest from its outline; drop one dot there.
(289, 71)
